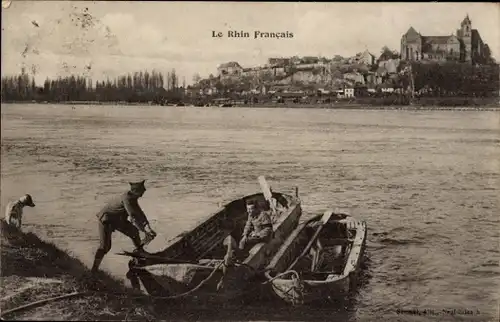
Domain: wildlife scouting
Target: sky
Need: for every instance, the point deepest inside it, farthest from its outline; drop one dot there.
(49, 39)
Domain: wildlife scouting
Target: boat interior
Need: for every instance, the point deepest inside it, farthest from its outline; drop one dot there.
(206, 244)
(327, 256)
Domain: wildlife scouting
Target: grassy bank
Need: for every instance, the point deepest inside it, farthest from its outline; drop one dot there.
(32, 270)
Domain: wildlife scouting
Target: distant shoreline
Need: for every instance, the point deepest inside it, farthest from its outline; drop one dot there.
(337, 106)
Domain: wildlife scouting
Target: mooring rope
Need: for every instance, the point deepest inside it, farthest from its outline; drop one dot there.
(282, 274)
(297, 286)
(40, 302)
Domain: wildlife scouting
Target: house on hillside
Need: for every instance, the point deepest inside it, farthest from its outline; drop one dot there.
(278, 71)
(279, 61)
(374, 78)
(388, 55)
(387, 87)
(355, 77)
(304, 67)
(263, 89)
(349, 92)
(295, 60)
(230, 69)
(309, 60)
(324, 61)
(208, 91)
(323, 91)
(389, 66)
(364, 58)
(253, 71)
(466, 45)
(246, 71)
(193, 91)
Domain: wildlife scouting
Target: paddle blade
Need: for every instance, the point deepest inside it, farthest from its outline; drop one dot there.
(266, 189)
(153, 257)
(326, 216)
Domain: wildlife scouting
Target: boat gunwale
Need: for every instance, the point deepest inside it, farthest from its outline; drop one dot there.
(295, 201)
(312, 282)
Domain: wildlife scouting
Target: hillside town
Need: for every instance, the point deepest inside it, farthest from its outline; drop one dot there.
(452, 70)
(326, 79)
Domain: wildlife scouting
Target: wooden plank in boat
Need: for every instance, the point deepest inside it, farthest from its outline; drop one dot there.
(266, 191)
(324, 220)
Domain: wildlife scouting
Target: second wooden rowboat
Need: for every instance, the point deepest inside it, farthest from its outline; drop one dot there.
(320, 260)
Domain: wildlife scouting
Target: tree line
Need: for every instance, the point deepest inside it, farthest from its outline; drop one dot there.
(143, 86)
(456, 79)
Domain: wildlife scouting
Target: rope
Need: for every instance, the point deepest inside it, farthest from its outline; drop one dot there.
(172, 297)
(36, 303)
(297, 286)
(282, 274)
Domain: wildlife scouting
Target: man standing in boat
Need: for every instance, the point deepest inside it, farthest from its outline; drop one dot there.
(113, 216)
(258, 228)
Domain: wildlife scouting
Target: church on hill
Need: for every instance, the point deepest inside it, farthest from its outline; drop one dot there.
(465, 46)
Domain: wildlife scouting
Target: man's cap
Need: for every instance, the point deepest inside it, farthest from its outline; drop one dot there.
(27, 200)
(251, 202)
(136, 180)
(137, 185)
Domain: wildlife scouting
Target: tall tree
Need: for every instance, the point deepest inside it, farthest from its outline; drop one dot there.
(196, 78)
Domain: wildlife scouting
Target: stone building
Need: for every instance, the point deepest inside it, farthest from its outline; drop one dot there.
(230, 69)
(365, 58)
(466, 45)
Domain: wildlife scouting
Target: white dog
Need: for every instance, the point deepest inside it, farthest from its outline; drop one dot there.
(14, 212)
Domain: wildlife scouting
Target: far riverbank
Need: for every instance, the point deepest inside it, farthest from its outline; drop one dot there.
(340, 106)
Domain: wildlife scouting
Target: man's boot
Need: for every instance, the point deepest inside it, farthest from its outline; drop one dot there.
(140, 250)
(99, 256)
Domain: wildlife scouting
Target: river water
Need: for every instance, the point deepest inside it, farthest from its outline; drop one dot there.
(426, 182)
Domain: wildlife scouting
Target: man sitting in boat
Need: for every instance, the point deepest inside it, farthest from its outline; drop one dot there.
(258, 228)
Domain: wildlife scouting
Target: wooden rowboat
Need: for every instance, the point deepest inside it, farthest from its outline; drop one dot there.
(320, 260)
(194, 264)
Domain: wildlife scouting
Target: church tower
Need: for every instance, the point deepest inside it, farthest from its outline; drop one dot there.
(466, 32)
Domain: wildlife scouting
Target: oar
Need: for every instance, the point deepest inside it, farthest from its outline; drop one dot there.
(324, 220)
(266, 190)
(164, 259)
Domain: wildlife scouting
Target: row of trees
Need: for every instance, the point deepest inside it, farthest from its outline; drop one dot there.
(140, 86)
(21, 87)
(456, 79)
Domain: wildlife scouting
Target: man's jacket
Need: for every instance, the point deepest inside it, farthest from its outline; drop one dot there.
(122, 206)
(259, 224)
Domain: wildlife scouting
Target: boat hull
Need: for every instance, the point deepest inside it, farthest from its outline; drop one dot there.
(309, 292)
(202, 275)
(299, 287)
(181, 279)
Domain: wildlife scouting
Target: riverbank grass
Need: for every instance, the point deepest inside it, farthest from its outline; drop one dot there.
(32, 270)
